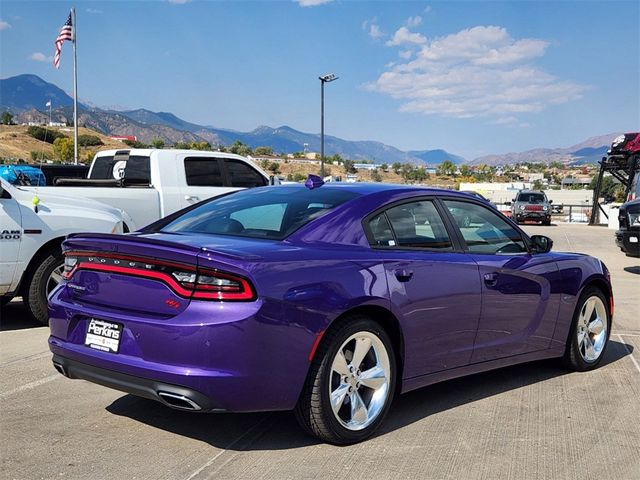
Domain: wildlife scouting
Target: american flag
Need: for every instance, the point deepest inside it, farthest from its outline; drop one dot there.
(66, 33)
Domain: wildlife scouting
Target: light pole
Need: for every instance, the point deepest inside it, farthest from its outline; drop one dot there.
(330, 77)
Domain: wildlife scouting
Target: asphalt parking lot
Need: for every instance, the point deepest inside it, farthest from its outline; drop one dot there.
(533, 421)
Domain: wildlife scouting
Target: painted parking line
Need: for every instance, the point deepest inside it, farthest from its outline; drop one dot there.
(635, 362)
(30, 385)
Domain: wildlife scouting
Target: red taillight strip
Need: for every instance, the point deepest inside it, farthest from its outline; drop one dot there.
(202, 292)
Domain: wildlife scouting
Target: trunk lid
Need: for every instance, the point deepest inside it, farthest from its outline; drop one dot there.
(119, 272)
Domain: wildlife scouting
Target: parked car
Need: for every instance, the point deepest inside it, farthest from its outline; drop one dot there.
(31, 231)
(531, 205)
(628, 234)
(328, 301)
(150, 184)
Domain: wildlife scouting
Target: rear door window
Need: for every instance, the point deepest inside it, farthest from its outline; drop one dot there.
(242, 175)
(413, 225)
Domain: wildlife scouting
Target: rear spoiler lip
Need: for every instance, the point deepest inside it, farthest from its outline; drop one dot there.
(200, 252)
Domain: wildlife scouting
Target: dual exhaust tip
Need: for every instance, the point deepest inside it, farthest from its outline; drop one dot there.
(174, 400)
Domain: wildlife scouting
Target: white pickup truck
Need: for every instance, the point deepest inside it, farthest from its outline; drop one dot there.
(32, 227)
(149, 184)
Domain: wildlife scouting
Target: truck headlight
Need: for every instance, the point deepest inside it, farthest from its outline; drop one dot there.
(545, 208)
(521, 207)
(634, 219)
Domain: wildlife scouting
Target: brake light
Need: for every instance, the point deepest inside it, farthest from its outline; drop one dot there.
(185, 280)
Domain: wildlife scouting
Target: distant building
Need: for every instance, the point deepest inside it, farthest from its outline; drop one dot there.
(122, 138)
(367, 166)
(57, 124)
(571, 181)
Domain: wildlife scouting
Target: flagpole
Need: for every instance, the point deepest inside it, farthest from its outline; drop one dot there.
(75, 88)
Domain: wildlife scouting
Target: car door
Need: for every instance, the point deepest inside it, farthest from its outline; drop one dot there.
(434, 288)
(201, 177)
(10, 238)
(520, 291)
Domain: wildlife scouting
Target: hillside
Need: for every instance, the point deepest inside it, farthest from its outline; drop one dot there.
(15, 143)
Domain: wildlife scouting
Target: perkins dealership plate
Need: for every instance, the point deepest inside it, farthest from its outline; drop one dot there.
(103, 335)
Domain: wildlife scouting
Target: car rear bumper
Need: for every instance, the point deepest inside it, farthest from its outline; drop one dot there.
(175, 396)
(230, 357)
(533, 216)
(629, 242)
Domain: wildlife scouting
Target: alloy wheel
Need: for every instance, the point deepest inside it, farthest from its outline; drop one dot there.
(592, 329)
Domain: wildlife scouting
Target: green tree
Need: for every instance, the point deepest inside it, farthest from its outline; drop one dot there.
(240, 148)
(274, 167)
(63, 149)
(348, 165)
(537, 185)
(610, 189)
(263, 151)
(465, 170)
(375, 176)
(447, 168)
(396, 167)
(7, 118)
(384, 167)
(157, 143)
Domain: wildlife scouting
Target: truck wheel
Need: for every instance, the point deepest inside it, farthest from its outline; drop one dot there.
(45, 278)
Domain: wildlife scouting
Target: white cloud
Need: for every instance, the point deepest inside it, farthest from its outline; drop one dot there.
(312, 3)
(4, 25)
(404, 36)
(179, 2)
(94, 11)
(477, 72)
(428, 9)
(40, 57)
(375, 32)
(414, 21)
(405, 54)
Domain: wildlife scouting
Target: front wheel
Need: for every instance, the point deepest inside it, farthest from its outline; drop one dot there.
(351, 383)
(46, 276)
(590, 331)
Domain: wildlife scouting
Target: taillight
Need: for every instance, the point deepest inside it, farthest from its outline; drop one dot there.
(185, 280)
(70, 263)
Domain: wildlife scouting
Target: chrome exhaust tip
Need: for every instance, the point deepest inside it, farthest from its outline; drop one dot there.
(61, 370)
(179, 401)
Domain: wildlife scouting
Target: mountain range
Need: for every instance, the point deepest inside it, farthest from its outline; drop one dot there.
(26, 96)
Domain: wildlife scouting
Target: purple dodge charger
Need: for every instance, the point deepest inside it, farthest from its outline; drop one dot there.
(328, 301)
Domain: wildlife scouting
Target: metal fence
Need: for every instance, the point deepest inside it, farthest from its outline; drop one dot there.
(569, 213)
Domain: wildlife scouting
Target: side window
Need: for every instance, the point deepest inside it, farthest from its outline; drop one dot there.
(416, 225)
(203, 172)
(483, 230)
(242, 175)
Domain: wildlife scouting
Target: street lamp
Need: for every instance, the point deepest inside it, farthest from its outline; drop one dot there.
(330, 77)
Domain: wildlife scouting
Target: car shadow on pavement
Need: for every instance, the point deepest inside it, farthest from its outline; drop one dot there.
(279, 430)
(14, 316)
(635, 270)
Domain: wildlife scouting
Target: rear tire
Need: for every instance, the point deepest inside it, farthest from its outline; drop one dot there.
(341, 402)
(45, 277)
(589, 334)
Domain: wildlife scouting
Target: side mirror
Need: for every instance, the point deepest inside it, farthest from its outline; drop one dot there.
(513, 199)
(508, 204)
(550, 202)
(541, 244)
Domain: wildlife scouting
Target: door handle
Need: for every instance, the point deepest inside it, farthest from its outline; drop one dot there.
(403, 275)
(490, 279)
(191, 197)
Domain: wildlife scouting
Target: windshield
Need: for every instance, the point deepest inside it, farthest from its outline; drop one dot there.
(532, 198)
(267, 212)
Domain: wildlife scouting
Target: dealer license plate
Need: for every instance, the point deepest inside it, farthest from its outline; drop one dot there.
(103, 335)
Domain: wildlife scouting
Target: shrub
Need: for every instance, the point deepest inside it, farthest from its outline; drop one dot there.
(44, 135)
(89, 141)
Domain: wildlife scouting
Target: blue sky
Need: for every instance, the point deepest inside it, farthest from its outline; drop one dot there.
(471, 77)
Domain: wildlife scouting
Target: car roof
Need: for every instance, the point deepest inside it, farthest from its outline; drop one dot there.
(364, 188)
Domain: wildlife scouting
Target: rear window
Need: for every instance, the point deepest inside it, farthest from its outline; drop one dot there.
(135, 168)
(532, 198)
(272, 213)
